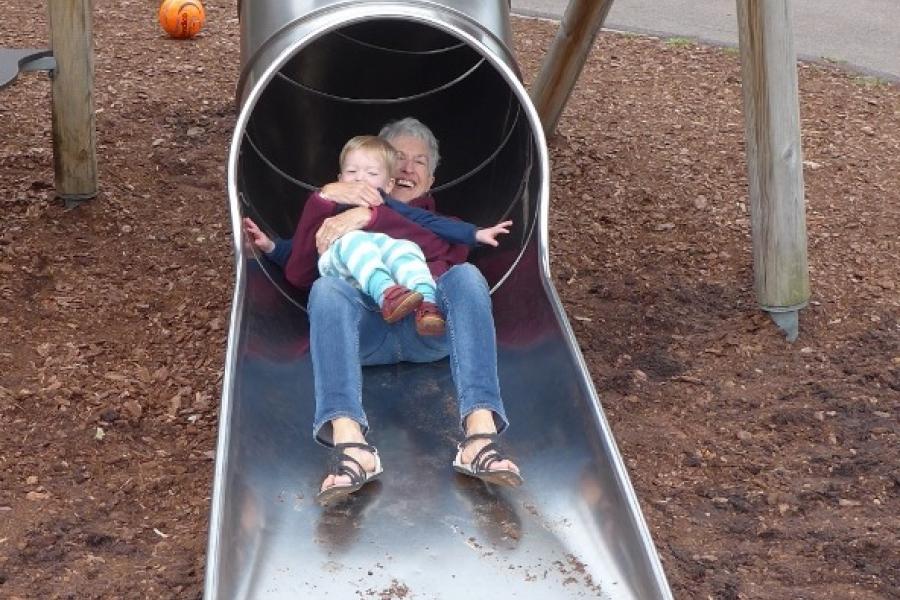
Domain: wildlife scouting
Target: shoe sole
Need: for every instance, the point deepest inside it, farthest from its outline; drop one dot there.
(337, 493)
(406, 307)
(431, 327)
(504, 478)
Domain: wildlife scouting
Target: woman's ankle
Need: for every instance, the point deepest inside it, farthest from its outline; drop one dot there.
(480, 421)
(344, 429)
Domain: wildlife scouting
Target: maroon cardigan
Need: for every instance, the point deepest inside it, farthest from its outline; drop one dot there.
(302, 270)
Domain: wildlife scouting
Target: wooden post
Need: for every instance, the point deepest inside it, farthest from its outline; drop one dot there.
(74, 131)
(774, 158)
(565, 59)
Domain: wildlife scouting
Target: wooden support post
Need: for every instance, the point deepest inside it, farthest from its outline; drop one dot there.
(566, 57)
(74, 131)
(774, 157)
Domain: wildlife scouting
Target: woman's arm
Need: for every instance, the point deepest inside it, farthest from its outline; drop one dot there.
(334, 227)
(301, 269)
(351, 193)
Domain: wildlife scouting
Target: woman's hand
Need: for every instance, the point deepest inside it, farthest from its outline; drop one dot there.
(356, 193)
(254, 236)
(489, 235)
(334, 227)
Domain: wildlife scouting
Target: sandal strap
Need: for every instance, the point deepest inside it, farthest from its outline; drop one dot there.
(360, 445)
(486, 457)
(477, 436)
(340, 459)
(339, 466)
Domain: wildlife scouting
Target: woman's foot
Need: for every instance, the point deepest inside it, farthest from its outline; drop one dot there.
(354, 462)
(363, 457)
(479, 456)
(488, 462)
(348, 473)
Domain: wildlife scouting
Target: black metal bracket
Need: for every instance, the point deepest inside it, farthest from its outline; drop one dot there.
(13, 61)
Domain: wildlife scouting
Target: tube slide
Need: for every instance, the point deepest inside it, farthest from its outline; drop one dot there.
(313, 75)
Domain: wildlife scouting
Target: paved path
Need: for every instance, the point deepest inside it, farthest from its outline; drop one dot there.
(866, 36)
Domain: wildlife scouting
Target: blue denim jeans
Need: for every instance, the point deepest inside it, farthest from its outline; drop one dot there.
(344, 323)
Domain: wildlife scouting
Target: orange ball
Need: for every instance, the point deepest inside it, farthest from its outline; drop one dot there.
(181, 19)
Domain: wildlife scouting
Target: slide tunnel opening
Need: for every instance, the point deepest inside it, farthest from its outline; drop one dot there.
(353, 79)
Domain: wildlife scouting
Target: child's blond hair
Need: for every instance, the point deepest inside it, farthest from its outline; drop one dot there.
(373, 144)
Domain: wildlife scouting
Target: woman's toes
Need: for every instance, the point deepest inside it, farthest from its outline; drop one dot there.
(333, 480)
(504, 465)
(366, 459)
(472, 449)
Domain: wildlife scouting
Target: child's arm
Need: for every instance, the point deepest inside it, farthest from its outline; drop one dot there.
(488, 235)
(277, 250)
(256, 237)
(451, 230)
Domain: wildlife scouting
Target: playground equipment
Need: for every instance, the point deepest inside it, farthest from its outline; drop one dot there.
(71, 66)
(774, 161)
(772, 123)
(15, 61)
(314, 74)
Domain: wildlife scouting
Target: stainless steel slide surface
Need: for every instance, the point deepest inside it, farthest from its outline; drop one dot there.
(574, 530)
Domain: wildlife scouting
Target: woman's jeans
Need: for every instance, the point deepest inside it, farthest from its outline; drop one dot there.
(345, 323)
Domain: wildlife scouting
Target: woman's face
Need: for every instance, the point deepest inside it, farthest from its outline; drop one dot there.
(412, 173)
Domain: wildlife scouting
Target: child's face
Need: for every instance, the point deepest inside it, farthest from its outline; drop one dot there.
(367, 167)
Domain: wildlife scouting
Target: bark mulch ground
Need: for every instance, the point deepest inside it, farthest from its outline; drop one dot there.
(766, 470)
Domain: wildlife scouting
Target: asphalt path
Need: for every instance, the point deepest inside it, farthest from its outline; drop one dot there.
(862, 34)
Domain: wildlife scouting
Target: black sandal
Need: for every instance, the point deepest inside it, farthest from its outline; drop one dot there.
(480, 467)
(342, 463)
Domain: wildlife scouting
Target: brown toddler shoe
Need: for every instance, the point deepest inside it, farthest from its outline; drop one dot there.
(429, 320)
(398, 302)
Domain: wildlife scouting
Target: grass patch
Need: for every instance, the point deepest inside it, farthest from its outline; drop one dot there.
(870, 81)
(731, 50)
(680, 42)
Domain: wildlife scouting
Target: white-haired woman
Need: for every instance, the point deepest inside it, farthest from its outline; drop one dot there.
(343, 325)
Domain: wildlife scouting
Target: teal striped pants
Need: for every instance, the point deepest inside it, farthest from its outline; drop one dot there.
(375, 262)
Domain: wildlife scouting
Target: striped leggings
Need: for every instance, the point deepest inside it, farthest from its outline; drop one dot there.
(375, 262)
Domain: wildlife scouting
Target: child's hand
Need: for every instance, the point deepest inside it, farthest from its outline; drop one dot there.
(489, 235)
(256, 237)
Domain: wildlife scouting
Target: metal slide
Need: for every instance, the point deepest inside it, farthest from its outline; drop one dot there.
(313, 75)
